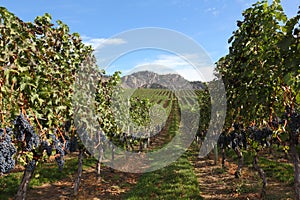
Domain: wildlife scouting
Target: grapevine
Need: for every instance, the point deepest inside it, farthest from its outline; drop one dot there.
(7, 150)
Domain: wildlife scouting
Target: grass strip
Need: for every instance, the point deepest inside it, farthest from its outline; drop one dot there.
(176, 181)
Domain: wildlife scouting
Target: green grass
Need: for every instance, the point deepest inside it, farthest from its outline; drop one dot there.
(9, 185)
(176, 181)
(44, 173)
(283, 172)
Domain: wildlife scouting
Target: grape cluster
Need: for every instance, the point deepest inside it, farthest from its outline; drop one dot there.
(294, 126)
(236, 138)
(24, 132)
(223, 141)
(67, 126)
(47, 147)
(60, 161)
(73, 144)
(7, 150)
(294, 122)
(87, 140)
(263, 136)
(62, 146)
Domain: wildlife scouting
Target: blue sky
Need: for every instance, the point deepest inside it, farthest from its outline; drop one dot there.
(208, 22)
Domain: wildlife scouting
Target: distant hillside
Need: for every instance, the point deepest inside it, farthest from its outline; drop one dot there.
(198, 85)
(147, 79)
(154, 86)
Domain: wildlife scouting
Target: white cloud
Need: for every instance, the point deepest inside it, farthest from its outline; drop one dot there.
(162, 64)
(204, 74)
(98, 43)
(165, 64)
(213, 11)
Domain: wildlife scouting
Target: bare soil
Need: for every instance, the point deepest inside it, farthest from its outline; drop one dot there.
(218, 183)
(215, 183)
(111, 185)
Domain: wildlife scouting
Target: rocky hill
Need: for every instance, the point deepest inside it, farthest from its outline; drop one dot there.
(147, 79)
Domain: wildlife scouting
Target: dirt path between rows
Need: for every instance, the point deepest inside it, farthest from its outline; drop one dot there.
(216, 183)
(111, 185)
